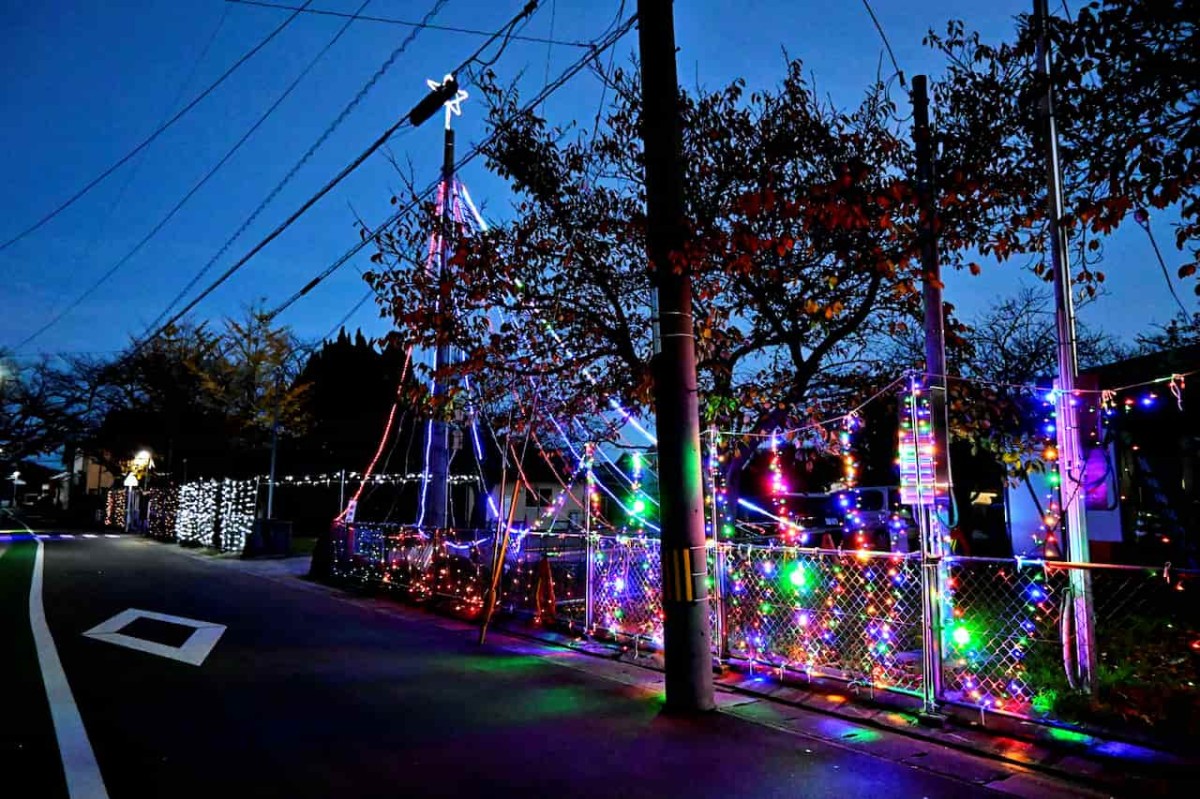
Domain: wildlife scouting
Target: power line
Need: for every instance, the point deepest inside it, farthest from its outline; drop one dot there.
(886, 43)
(1143, 220)
(183, 201)
(418, 114)
(158, 132)
(329, 130)
(597, 49)
(393, 21)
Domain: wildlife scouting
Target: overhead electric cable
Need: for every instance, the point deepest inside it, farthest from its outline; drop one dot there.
(886, 43)
(208, 176)
(157, 132)
(1143, 220)
(287, 178)
(416, 116)
(473, 153)
(405, 23)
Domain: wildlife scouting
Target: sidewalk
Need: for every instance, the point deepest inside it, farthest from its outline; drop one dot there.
(1050, 762)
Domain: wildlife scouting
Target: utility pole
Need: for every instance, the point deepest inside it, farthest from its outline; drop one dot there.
(687, 635)
(436, 506)
(1070, 447)
(274, 447)
(934, 510)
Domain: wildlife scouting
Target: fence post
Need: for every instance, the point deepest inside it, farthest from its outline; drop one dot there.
(719, 584)
(714, 526)
(588, 547)
(933, 573)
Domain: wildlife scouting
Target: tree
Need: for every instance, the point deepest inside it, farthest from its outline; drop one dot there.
(192, 394)
(801, 246)
(251, 380)
(156, 398)
(352, 384)
(1181, 331)
(33, 420)
(1128, 99)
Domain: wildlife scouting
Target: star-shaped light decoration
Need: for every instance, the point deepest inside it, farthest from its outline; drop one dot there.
(454, 104)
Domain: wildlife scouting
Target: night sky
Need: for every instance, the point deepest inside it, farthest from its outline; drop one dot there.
(83, 82)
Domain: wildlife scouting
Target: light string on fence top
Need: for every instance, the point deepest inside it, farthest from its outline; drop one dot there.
(1175, 381)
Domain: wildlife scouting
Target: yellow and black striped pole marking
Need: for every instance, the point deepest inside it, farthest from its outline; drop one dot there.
(685, 575)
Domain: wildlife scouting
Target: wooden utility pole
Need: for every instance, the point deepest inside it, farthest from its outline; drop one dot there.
(1070, 447)
(687, 635)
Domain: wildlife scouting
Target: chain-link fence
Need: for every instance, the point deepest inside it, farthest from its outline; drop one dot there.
(1008, 642)
(854, 616)
(1005, 638)
(545, 577)
(1148, 645)
(1002, 645)
(543, 574)
(626, 588)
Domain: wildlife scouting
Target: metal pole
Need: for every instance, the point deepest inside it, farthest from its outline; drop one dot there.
(934, 525)
(719, 552)
(1070, 449)
(589, 551)
(437, 494)
(271, 478)
(341, 490)
(687, 645)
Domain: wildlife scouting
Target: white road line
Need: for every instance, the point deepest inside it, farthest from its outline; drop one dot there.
(111, 535)
(78, 759)
(89, 535)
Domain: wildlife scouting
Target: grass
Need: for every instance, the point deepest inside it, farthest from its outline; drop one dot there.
(303, 545)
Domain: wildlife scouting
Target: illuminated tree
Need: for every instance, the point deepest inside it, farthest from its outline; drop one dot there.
(800, 246)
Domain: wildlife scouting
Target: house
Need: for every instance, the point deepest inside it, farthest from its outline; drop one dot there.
(1142, 447)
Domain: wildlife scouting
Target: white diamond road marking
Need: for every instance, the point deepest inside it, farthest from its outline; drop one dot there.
(194, 650)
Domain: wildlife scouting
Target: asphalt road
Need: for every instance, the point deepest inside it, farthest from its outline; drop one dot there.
(308, 693)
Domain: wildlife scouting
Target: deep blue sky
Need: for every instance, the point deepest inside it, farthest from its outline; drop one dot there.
(81, 83)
